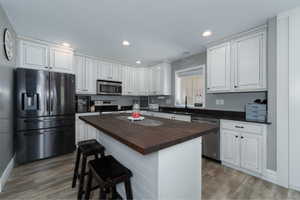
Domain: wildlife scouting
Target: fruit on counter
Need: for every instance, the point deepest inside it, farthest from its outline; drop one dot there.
(135, 114)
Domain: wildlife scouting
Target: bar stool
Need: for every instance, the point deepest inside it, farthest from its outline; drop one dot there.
(85, 148)
(108, 172)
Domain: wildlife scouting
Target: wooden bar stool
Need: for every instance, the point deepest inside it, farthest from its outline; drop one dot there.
(108, 172)
(85, 148)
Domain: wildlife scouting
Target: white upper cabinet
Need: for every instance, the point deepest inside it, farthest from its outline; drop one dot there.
(86, 74)
(46, 56)
(105, 71)
(91, 67)
(61, 60)
(79, 67)
(250, 62)
(160, 79)
(33, 55)
(117, 72)
(238, 65)
(218, 68)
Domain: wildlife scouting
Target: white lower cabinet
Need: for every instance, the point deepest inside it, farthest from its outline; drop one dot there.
(84, 132)
(251, 152)
(243, 146)
(230, 147)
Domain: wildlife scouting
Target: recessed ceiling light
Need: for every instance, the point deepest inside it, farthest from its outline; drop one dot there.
(207, 33)
(125, 43)
(66, 44)
(138, 62)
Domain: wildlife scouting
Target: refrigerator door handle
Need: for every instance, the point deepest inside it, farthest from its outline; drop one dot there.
(33, 133)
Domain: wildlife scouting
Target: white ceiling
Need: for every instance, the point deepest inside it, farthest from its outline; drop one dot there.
(157, 29)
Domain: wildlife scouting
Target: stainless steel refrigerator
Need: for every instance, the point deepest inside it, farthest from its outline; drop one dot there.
(45, 114)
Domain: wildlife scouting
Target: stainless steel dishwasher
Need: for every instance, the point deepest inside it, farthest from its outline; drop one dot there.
(211, 141)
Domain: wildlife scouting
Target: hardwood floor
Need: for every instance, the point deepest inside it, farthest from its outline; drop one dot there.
(51, 179)
(220, 182)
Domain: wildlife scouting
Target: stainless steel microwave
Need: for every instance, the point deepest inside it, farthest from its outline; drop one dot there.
(109, 87)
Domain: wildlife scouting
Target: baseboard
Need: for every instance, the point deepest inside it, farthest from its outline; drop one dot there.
(7, 173)
(294, 187)
(271, 176)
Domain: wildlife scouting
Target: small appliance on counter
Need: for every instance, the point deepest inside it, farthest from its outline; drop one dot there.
(256, 111)
(83, 104)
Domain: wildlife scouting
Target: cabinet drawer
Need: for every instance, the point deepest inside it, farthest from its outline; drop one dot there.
(242, 126)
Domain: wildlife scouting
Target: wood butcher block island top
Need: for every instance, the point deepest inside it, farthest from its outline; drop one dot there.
(148, 139)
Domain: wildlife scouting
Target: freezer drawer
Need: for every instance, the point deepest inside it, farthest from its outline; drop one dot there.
(44, 143)
(24, 124)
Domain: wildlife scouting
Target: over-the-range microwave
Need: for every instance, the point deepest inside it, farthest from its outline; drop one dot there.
(105, 87)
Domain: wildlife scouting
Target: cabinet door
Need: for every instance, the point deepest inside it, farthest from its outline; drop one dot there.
(106, 72)
(150, 81)
(146, 78)
(165, 79)
(33, 55)
(218, 68)
(251, 152)
(155, 80)
(250, 63)
(124, 80)
(116, 72)
(79, 67)
(91, 75)
(230, 150)
(61, 60)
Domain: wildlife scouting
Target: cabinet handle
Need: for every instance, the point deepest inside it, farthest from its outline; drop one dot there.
(236, 136)
(242, 137)
(239, 127)
(235, 86)
(208, 88)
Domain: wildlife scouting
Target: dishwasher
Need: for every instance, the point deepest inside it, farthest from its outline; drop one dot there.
(211, 141)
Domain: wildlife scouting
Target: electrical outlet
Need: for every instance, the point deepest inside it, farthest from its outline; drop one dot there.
(219, 101)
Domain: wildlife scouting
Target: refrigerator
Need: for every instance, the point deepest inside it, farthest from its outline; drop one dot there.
(45, 114)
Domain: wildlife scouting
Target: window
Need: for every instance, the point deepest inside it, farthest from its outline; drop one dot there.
(190, 87)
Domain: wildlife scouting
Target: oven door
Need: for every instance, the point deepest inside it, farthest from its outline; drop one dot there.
(109, 88)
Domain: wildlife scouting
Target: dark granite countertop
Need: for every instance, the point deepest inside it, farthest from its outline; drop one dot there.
(218, 114)
(148, 139)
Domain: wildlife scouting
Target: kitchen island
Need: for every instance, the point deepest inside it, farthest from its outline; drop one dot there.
(163, 155)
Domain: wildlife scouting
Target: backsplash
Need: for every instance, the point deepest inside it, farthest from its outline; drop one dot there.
(118, 100)
(161, 100)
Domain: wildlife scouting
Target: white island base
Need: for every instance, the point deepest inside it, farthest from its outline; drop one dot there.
(168, 174)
